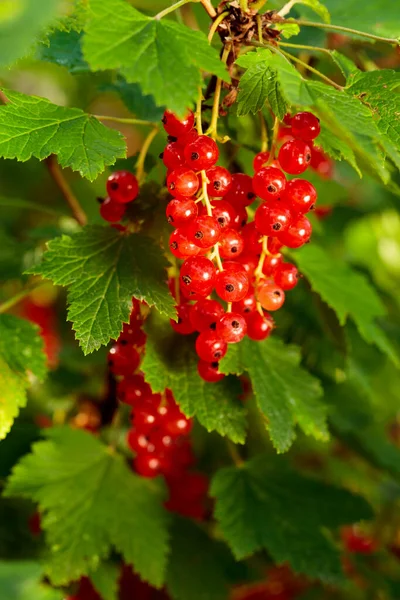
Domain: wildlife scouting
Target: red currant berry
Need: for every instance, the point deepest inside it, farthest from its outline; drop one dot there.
(305, 126)
(148, 464)
(202, 153)
(252, 238)
(271, 264)
(177, 127)
(295, 156)
(132, 333)
(220, 181)
(300, 196)
(321, 163)
(224, 213)
(175, 423)
(183, 325)
(205, 314)
(232, 327)
(198, 275)
(172, 156)
(181, 212)
(247, 305)
(259, 327)
(187, 138)
(180, 245)
(274, 245)
(232, 284)
(272, 217)
(138, 442)
(123, 359)
(182, 182)
(231, 244)
(112, 211)
(249, 261)
(145, 417)
(209, 371)
(270, 296)
(122, 186)
(133, 390)
(160, 440)
(241, 192)
(240, 217)
(286, 276)
(204, 231)
(259, 161)
(297, 234)
(210, 347)
(269, 183)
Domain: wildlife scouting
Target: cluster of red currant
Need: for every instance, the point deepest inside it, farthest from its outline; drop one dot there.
(240, 261)
(122, 188)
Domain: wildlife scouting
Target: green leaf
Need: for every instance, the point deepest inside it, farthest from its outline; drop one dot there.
(102, 270)
(91, 501)
(286, 394)
(345, 64)
(63, 48)
(317, 7)
(347, 292)
(376, 16)
(288, 30)
(150, 52)
(20, 25)
(21, 353)
(264, 505)
(32, 126)
(143, 107)
(171, 362)
(21, 580)
(105, 580)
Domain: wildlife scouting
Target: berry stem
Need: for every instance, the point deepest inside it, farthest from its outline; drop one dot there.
(127, 120)
(370, 36)
(208, 206)
(170, 9)
(244, 5)
(216, 24)
(143, 153)
(16, 299)
(63, 186)
(212, 130)
(259, 269)
(229, 307)
(234, 453)
(304, 47)
(259, 28)
(199, 125)
(287, 8)
(275, 131)
(208, 7)
(263, 133)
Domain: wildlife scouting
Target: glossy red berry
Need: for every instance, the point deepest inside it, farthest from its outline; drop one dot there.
(209, 371)
(241, 192)
(181, 212)
(182, 182)
(132, 333)
(148, 464)
(122, 186)
(259, 327)
(321, 163)
(204, 231)
(205, 314)
(286, 276)
(210, 347)
(241, 217)
(297, 234)
(232, 284)
(133, 390)
(305, 126)
(220, 181)
(138, 442)
(224, 213)
(232, 327)
(145, 416)
(231, 244)
(270, 296)
(123, 359)
(271, 264)
(259, 161)
(269, 183)
(202, 153)
(183, 325)
(247, 305)
(300, 196)
(198, 275)
(180, 245)
(274, 245)
(172, 156)
(112, 211)
(272, 217)
(186, 138)
(295, 156)
(175, 126)
(249, 261)
(176, 423)
(252, 238)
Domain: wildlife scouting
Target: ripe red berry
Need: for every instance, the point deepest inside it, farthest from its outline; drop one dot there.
(286, 276)
(224, 213)
(204, 231)
(210, 347)
(123, 359)
(133, 390)
(148, 464)
(259, 161)
(145, 416)
(232, 284)
(300, 196)
(269, 183)
(182, 182)
(252, 238)
(177, 127)
(202, 153)
(247, 305)
(272, 217)
(270, 296)
(180, 245)
(232, 327)
(297, 234)
(294, 156)
(241, 192)
(205, 314)
(274, 245)
(240, 217)
(220, 181)
(183, 325)
(259, 327)
(138, 442)
(230, 244)
(186, 138)
(321, 163)
(198, 275)
(209, 371)
(249, 261)
(122, 186)
(112, 211)
(176, 423)
(305, 126)
(181, 212)
(172, 156)
(271, 264)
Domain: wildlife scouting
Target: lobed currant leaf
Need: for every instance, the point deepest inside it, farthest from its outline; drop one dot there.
(102, 270)
(90, 502)
(64, 48)
(348, 14)
(286, 394)
(317, 7)
(32, 126)
(143, 107)
(23, 580)
(264, 505)
(105, 580)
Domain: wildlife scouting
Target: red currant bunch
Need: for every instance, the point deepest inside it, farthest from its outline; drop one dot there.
(122, 188)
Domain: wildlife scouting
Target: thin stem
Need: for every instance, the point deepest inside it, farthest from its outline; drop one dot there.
(207, 203)
(244, 5)
(287, 8)
(212, 130)
(263, 133)
(259, 269)
(275, 131)
(229, 307)
(208, 7)
(303, 47)
(371, 36)
(259, 28)
(216, 24)
(127, 120)
(315, 71)
(170, 9)
(63, 186)
(234, 453)
(143, 153)
(199, 125)
(11, 302)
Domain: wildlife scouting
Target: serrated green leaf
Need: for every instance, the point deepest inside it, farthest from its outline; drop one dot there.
(288, 30)
(105, 580)
(264, 505)
(22, 580)
(286, 394)
(21, 353)
(347, 292)
(171, 362)
(317, 7)
(376, 16)
(149, 52)
(90, 501)
(102, 270)
(63, 48)
(345, 64)
(143, 107)
(32, 126)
